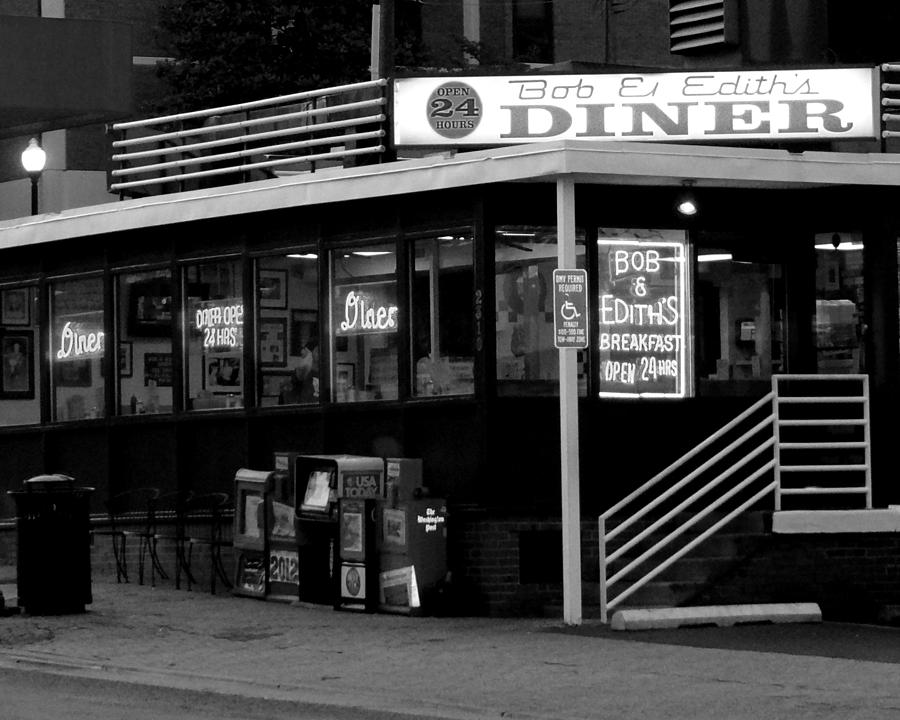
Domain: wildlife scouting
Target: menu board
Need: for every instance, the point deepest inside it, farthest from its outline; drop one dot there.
(643, 315)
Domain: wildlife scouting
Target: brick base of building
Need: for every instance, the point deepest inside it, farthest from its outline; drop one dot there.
(513, 567)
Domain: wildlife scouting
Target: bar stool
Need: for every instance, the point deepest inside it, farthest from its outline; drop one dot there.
(205, 518)
(131, 514)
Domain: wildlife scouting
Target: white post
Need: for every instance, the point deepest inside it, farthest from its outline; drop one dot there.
(601, 529)
(568, 421)
(375, 44)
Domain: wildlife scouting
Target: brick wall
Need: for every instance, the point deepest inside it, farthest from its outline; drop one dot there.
(853, 576)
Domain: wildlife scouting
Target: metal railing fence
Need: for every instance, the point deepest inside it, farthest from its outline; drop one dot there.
(253, 140)
(786, 423)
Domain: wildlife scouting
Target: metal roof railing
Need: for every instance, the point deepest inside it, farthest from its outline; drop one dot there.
(247, 141)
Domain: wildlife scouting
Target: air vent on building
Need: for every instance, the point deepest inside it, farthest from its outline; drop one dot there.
(702, 24)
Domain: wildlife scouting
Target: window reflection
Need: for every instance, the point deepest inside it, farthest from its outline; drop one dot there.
(77, 347)
(527, 360)
(144, 327)
(214, 335)
(839, 323)
(442, 323)
(365, 323)
(20, 377)
(287, 326)
(740, 319)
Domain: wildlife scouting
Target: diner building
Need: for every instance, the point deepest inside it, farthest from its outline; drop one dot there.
(382, 284)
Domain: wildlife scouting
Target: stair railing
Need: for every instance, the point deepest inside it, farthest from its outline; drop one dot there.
(763, 443)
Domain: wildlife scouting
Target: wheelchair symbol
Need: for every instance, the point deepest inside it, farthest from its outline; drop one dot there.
(569, 311)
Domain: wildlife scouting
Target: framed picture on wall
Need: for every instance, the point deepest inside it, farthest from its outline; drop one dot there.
(222, 374)
(150, 309)
(17, 354)
(126, 359)
(272, 288)
(14, 307)
(273, 342)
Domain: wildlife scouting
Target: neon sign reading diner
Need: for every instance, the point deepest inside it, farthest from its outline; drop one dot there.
(74, 342)
(364, 313)
(221, 323)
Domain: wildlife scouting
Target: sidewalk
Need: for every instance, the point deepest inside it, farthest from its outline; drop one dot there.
(460, 668)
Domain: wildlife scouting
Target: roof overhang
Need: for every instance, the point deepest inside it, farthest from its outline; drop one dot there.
(621, 163)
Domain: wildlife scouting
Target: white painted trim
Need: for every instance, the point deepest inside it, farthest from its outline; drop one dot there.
(625, 163)
(836, 521)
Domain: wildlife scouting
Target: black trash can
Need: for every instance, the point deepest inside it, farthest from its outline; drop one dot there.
(54, 545)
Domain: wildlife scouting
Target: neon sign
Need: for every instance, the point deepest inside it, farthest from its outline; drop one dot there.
(643, 323)
(221, 323)
(366, 309)
(75, 342)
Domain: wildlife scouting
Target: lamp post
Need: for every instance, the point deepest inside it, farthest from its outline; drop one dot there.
(33, 160)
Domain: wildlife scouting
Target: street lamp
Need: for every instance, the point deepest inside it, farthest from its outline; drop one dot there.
(33, 160)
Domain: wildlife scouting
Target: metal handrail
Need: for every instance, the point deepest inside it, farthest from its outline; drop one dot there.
(773, 400)
(182, 154)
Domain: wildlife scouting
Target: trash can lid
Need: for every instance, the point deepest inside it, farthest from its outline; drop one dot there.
(39, 480)
(54, 482)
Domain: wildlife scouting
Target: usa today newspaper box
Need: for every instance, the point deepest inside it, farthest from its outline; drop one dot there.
(320, 481)
(251, 532)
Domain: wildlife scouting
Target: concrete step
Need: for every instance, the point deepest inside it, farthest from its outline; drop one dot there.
(718, 615)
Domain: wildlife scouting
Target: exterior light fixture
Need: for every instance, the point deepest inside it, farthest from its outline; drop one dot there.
(33, 160)
(686, 203)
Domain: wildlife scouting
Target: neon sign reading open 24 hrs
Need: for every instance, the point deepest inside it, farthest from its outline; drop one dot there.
(221, 322)
(643, 323)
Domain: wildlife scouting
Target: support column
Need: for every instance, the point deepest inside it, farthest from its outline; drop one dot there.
(568, 421)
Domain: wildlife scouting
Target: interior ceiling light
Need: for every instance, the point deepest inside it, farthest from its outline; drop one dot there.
(714, 257)
(686, 204)
(303, 256)
(838, 243)
(371, 253)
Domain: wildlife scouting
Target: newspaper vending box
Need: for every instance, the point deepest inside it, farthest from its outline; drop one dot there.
(412, 539)
(283, 556)
(250, 532)
(320, 481)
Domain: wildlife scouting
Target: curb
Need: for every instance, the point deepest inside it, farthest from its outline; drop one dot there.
(314, 702)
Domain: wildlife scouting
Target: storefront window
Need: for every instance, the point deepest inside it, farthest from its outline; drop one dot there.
(20, 377)
(144, 327)
(214, 335)
(740, 319)
(365, 323)
(287, 326)
(644, 318)
(839, 323)
(442, 316)
(527, 359)
(77, 347)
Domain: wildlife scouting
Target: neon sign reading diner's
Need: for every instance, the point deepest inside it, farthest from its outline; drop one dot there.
(360, 314)
(74, 342)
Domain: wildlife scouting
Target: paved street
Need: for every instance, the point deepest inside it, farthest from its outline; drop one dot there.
(459, 668)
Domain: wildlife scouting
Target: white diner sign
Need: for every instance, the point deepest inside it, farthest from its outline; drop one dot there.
(749, 104)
